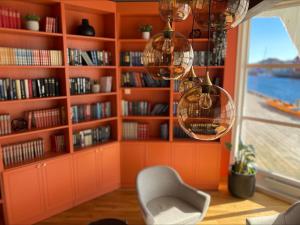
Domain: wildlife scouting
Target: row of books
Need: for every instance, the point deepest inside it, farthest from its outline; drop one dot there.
(93, 111)
(83, 85)
(164, 131)
(45, 118)
(5, 127)
(216, 81)
(78, 57)
(10, 18)
(30, 57)
(135, 131)
(179, 133)
(143, 108)
(131, 58)
(58, 142)
(138, 79)
(51, 24)
(21, 152)
(90, 137)
(11, 89)
(200, 58)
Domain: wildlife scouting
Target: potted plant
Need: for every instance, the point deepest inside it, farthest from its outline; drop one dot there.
(32, 22)
(146, 29)
(242, 180)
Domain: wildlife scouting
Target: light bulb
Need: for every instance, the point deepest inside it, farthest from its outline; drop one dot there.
(205, 101)
(168, 46)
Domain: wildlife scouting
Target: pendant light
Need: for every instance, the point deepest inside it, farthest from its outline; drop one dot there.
(230, 12)
(206, 112)
(168, 55)
(176, 10)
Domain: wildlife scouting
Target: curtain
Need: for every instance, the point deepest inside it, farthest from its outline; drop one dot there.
(290, 18)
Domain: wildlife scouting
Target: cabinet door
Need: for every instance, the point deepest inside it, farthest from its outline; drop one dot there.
(132, 161)
(158, 154)
(85, 175)
(184, 161)
(59, 188)
(110, 165)
(23, 189)
(208, 165)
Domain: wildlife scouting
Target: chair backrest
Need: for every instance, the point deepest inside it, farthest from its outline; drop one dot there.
(292, 215)
(157, 181)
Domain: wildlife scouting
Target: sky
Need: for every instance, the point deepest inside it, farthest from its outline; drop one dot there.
(269, 39)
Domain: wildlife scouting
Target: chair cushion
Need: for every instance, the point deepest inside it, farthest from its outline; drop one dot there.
(276, 219)
(171, 210)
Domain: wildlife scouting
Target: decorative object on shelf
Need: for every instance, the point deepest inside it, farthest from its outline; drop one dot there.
(19, 124)
(168, 55)
(176, 10)
(241, 182)
(206, 111)
(32, 22)
(232, 12)
(195, 33)
(85, 29)
(96, 87)
(146, 30)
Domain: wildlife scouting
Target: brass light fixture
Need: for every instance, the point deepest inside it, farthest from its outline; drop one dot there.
(176, 10)
(206, 112)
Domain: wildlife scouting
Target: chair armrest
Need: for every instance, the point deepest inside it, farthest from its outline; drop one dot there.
(148, 217)
(197, 198)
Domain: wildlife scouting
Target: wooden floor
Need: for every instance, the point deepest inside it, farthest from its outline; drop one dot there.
(224, 209)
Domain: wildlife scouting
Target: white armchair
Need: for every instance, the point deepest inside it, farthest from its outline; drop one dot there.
(166, 200)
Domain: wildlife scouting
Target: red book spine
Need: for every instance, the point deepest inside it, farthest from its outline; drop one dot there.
(18, 20)
(1, 18)
(10, 18)
(30, 87)
(5, 15)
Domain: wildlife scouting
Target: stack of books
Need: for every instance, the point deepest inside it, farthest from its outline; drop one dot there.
(138, 79)
(30, 57)
(5, 124)
(78, 57)
(164, 131)
(179, 133)
(46, 118)
(131, 58)
(90, 137)
(11, 89)
(94, 111)
(51, 25)
(135, 131)
(175, 106)
(21, 152)
(10, 18)
(200, 58)
(58, 143)
(143, 108)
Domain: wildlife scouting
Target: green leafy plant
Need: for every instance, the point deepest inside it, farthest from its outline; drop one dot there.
(244, 159)
(146, 28)
(32, 17)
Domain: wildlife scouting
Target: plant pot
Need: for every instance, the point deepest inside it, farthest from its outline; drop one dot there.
(96, 88)
(32, 25)
(241, 186)
(146, 35)
(85, 29)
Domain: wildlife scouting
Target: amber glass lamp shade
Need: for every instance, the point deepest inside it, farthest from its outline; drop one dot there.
(176, 10)
(168, 55)
(206, 112)
(227, 13)
(189, 81)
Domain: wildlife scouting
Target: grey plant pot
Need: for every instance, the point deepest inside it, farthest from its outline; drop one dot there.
(241, 186)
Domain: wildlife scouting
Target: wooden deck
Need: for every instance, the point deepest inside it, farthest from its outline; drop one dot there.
(277, 147)
(223, 210)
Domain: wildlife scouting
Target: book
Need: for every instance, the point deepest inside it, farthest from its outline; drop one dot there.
(58, 143)
(131, 58)
(5, 124)
(135, 131)
(106, 84)
(10, 18)
(78, 57)
(139, 79)
(143, 108)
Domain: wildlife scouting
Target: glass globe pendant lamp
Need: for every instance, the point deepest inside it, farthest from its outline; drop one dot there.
(168, 55)
(229, 12)
(176, 10)
(191, 80)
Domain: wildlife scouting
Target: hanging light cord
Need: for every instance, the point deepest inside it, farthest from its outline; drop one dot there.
(209, 36)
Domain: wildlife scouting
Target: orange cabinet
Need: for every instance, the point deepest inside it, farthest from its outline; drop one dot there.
(36, 191)
(184, 161)
(158, 154)
(85, 170)
(110, 166)
(132, 161)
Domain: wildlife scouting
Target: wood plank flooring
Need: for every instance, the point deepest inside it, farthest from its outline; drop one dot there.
(224, 209)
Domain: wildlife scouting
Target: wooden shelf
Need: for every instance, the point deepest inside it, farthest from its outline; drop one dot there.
(32, 100)
(132, 67)
(93, 122)
(145, 117)
(88, 38)
(197, 40)
(146, 88)
(32, 132)
(147, 140)
(94, 95)
(91, 67)
(133, 40)
(30, 67)
(29, 32)
(210, 67)
(92, 147)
